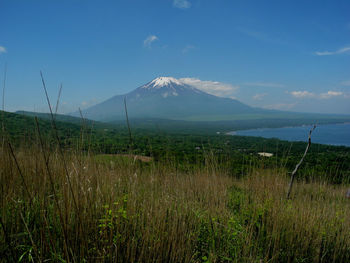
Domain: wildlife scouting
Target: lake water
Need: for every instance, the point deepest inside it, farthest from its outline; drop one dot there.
(334, 134)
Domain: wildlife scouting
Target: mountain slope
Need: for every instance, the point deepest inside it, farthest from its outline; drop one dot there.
(65, 118)
(22, 128)
(166, 97)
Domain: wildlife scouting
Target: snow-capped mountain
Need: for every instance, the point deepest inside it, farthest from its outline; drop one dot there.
(161, 82)
(165, 87)
(167, 98)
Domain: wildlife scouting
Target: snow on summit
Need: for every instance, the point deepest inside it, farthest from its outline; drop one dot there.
(161, 82)
(167, 87)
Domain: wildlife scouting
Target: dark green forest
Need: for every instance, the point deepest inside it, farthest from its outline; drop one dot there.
(187, 145)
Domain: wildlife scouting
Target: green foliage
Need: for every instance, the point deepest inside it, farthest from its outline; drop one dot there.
(110, 226)
(196, 201)
(188, 147)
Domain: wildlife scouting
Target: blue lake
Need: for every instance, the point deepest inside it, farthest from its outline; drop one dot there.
(334, 134)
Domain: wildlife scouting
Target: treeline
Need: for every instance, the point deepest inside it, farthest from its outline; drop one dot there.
(235, 154)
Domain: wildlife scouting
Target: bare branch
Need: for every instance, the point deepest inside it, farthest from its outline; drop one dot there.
(300, 162)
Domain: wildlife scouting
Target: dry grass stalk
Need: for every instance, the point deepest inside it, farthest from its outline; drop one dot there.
(128, 124)
(153, 213)
(59, 148)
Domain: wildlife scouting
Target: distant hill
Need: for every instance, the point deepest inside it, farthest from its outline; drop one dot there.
(192, 127)
(22, 128)
(64, 118)
(58, 117)
(222, 127)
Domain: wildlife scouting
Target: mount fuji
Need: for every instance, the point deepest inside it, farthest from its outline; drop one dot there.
(167, 98)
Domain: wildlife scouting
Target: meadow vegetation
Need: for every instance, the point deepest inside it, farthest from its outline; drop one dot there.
(100, 209)
(73, 202)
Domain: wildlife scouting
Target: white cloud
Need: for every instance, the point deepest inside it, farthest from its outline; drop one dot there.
(187, 48)
(149, 40)
(302, 94)
(345, 83)
(212, 87)
(328, 53)
(2, 50)
(259, 96)
(264, 84)
(280, 106)
(306, 94)
(182, 4)
(330, 94)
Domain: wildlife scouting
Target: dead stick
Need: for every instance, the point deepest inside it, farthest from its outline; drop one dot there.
(302, 159)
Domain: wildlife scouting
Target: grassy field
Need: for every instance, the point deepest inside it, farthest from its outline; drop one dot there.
(78, 207)
(74, 193)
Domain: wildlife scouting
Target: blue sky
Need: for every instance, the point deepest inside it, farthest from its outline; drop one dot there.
(288, 55)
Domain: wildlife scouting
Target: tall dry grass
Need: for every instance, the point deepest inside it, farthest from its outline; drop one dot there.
(311, 227)
(128, 211)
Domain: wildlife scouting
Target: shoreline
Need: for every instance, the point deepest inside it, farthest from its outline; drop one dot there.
(236, 133)
(295, 126)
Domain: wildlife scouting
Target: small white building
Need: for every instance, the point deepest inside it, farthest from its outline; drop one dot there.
(264, 154)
